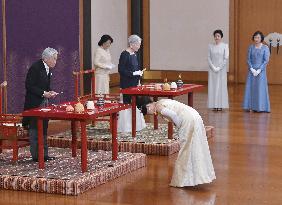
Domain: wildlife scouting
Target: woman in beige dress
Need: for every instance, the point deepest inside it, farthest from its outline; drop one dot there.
(103, 65)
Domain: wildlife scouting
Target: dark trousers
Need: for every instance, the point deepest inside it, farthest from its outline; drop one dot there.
(33, 135)
(33, 138)
(126, 99)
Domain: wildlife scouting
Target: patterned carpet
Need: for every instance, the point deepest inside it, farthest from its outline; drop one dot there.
(63, 175)
(148, 141)
(101, 132)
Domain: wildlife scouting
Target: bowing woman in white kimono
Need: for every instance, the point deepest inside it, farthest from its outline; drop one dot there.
(194, 164)
(217, 84)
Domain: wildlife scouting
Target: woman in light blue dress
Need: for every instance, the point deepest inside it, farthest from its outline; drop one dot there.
(256, 92)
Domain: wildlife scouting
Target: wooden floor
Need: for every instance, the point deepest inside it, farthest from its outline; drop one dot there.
(246, 152)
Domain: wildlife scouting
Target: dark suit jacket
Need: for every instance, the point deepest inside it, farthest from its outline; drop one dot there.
(37, 81)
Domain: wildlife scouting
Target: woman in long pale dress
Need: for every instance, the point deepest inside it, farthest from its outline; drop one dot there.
(103, 65)
(217, 84)
(256, 92)
(194, 164)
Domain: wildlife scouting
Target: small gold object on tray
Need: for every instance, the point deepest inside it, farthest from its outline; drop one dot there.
(78, 107)
(69, 108)
(166, 86)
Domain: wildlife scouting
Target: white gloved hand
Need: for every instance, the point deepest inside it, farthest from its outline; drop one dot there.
(110, 66)
(172, 115)
(254, 72)
(47, 94)
(138, 72)
(216, 69)
(258, 71)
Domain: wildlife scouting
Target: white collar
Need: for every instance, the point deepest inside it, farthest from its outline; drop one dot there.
(45, 65)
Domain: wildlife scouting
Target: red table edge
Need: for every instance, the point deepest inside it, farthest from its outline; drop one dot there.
(169, 94)
(74, 139)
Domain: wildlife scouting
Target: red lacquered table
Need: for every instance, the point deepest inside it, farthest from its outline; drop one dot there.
(59, 113)
(148, 90)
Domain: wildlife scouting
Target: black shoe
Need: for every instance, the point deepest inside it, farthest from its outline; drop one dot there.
(45, 159)
(49, 158)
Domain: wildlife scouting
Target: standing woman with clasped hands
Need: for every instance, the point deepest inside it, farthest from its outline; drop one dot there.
(217, 84)
(130, 74)
(256, 92)
(103, 65)
(128, 67)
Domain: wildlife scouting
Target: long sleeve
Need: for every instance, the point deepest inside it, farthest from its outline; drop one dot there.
(172, 115)
(225, 56)
(210, 60)
(49, 80)
(98, 62)
(31, 82)
(249, 57)
(123, 66)
(266, 55)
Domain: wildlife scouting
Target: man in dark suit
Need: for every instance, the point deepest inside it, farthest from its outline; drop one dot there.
(38, 92)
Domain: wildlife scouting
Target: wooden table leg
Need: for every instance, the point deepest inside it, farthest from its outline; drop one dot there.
(40, 143)
(170, 130)
(1, 99)
(83, 146)
(170, 126)
(111, 123)
(133, 109)
(74, 138)
(114, 136)
(190, 99)
(1, 143)
(156, 117)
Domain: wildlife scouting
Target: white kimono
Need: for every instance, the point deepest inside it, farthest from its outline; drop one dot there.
(194, 164)
(217, 84)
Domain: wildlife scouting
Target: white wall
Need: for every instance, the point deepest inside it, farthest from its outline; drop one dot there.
(109, 17)
(180, 31)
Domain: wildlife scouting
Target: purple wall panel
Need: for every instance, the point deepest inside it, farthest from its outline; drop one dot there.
(32, 26)
(1, 49)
